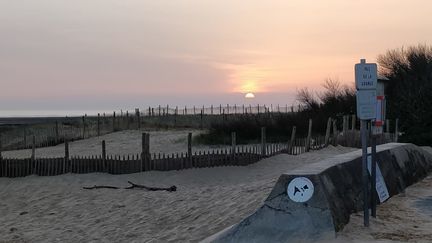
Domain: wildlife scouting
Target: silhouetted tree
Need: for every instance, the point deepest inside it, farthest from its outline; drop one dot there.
(307, 99)
(335, 100)
(409, 91)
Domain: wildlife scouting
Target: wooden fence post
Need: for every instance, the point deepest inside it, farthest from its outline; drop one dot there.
(189, 150)
(104, 161)
(353, 122)
(345, 125)
(387, 126)
(127, 120)
(233, 142)
(143, 151)
(83, 127)
(25, 136)
(56, 132)
(33, 147)
(293, 134)
(175, 116)
(113, 121)
(309, 136)
(137, 113)
(335, 133)
(327, 135)
(201, 120)
(98, 125)
(147, 152)
(396, 135)
(0, 148)
(66, 157)
(263, 141)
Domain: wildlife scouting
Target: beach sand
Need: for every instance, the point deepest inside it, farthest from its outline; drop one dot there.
(126, 142)
(57, 209)
(406, 217)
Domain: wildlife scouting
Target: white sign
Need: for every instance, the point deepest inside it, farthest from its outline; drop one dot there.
(380, 185)
(376, 130)
(366, 104)
(366, 75)
(300, 189)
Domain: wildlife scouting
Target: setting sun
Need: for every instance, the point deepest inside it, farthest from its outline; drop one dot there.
(249, 96)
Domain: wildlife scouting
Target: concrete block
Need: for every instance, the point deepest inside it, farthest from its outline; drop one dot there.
(337, 193)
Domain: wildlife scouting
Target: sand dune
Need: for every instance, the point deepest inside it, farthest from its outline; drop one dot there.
(50, 209)
(57, 209)
(120, 143)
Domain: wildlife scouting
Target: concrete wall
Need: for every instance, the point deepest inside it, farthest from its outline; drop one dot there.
(337, 194)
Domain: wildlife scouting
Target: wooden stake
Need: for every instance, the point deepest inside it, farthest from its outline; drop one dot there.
(335, 133)
(327, 135)
(33, 147)
(263, 141)
(66, 157)
(233, 142)
(344, 125)
(137, 114)
(143, 151)
(83, 127)
(104, 159)
(0, 148)
(147, 152)
(56, 132)
(113, 121)
(201, 119)
(190, 149)
(25, 136)
(396, 135)
(309, 136)
(291, 145)
(387, 126)
(127, 120)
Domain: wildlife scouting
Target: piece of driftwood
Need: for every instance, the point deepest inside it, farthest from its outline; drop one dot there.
(133, 185)
(169, 189)
(100, 187)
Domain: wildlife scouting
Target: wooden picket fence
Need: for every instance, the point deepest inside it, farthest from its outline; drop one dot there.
(235, 156)
(49, 131)
(127, 164)
(114, 164)
(238, 156)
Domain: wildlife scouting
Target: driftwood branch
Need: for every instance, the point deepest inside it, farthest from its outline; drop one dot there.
(169, 189)
(133, 185)
(99, 187)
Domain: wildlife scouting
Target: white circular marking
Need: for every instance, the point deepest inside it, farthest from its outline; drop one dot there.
(300, 189)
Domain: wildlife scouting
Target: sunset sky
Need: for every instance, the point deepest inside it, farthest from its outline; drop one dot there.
(64, 54)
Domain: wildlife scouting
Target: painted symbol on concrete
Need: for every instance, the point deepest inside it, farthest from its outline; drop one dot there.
(300, 189)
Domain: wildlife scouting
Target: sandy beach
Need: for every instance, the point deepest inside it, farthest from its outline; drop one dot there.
(406, 217)
(57, 209)
(126, 142)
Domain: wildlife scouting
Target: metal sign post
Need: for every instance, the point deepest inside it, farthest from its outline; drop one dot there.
(366, 83)
(373, 175)
(377, 129)
(365, 177)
